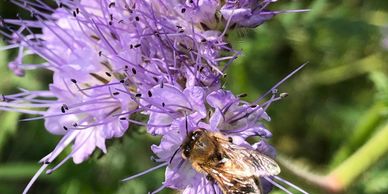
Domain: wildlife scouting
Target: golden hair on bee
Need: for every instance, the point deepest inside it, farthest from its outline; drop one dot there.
(234, 168)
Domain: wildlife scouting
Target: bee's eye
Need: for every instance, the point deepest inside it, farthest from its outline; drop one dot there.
(186, 152)
(196, 134)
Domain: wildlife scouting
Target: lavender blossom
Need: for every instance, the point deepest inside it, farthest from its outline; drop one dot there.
(111, 60)
(105, 59)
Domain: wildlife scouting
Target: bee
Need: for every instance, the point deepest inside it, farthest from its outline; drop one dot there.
(235, 169)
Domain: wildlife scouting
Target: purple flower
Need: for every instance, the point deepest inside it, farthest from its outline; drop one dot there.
(168, 103)
(250, 13)
(110, 60)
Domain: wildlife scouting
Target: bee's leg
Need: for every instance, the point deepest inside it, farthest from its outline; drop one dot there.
(258, 184)
(210, 178)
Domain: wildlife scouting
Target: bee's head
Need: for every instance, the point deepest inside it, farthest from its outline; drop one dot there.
(199, 145)
(190, 141)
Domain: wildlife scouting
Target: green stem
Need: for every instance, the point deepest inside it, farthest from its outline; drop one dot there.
(343, 175)
(362, 132)
(361, 160)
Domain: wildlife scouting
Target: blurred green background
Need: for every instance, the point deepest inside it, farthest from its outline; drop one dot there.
(335, 104)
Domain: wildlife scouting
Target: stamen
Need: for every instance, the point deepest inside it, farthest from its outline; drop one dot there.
(145, 172)
(277, 185)
(279, 83)
(34, 178)
(290, 184)
(158, 189)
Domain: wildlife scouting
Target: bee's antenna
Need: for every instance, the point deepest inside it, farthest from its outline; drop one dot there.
(176, 151)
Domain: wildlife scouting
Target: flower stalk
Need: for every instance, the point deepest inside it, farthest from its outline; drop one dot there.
(347, 172)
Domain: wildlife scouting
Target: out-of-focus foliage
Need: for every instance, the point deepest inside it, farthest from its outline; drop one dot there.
(336, 103)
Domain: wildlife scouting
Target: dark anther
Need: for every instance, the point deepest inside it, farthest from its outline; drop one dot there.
(111, 16)
(75, 124)
(126, 67)
(179, 26)
(77, 10)
(162, 85)
(137, 18)
(95, 37)
(156, 79)
(60, 5)
(183, 10)
(65, 128)
(149, 94)
(157, 34)
(163, 104)
(73, 80)
(108, 74)
(131, 46)
(181, 31)
(46, 162)
(110, 23)
(191, 1)
(65, 106)
(116, 93)
(133, 70)
(243, 95)
(253, 106)
(137, 45)
(201, 69)
(203, 40)
(63, 109)
(112, 4)
(137, 95)
(74, 14)
(123, 118)
(122, 81)
(114, 36)
(100, 53)
(230, 139)
(204, 26)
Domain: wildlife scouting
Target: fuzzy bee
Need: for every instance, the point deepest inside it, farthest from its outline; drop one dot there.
(235, 169)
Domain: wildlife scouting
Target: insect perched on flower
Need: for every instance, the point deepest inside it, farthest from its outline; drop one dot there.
(235, 169)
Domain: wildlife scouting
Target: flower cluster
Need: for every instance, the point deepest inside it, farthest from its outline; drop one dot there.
(113, 59)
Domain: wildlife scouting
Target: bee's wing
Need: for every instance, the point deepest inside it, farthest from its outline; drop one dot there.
(251, 160)
(240, 169)
(262, 164)
(231, 183)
